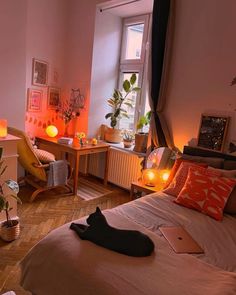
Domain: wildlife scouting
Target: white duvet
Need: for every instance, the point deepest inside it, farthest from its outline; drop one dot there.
(62, 264)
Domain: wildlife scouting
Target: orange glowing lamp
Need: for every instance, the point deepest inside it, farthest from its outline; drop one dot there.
(3, 128)
(164, 175)
(150, 177)
(52, 131)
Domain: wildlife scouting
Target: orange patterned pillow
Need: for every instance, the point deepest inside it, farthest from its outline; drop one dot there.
(180, 177)
(206, 192)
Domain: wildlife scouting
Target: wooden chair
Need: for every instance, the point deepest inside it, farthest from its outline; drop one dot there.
(36, 172)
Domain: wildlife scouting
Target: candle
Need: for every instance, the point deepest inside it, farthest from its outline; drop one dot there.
(3, 128)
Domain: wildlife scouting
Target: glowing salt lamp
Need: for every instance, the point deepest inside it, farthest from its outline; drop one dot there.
(150, 177)
(52, 131)
(3, 128)
(164, 175)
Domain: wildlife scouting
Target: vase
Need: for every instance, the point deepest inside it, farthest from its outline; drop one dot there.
(66, 130)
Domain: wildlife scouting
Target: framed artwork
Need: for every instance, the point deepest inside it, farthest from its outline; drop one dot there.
(54, 96)
(39, 72)
(212, 132)
(34, 100)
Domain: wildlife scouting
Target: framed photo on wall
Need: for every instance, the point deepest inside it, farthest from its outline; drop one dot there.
(54, 96)
(212, 132)
(34, 100)
(39, 72)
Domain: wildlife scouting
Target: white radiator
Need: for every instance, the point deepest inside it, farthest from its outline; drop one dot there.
(124, 167)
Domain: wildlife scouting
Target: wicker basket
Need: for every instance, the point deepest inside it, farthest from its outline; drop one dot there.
(11, 233)
(113, 135)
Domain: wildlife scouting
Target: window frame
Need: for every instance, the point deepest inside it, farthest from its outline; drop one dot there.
(135, 65)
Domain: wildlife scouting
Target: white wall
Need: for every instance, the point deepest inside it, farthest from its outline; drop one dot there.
(12, 60)
(105, 66)
(203, 66)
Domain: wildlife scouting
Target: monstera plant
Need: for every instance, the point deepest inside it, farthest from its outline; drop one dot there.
(10, 229)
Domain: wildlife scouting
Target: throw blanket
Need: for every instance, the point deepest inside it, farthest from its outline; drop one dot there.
(58, 173)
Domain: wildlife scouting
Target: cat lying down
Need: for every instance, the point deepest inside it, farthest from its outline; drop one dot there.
(128, 242)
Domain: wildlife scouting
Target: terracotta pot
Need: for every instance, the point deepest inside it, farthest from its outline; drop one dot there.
(141, 142)
(127, 144)
(10, 233)
(113, 135)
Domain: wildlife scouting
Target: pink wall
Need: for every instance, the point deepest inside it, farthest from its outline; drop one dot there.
(203, 66)
(12, 60)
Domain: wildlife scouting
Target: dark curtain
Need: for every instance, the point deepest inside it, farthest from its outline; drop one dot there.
(161, 11)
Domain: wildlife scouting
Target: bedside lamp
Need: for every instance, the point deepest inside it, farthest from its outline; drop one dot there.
(150, 177)
(164, 175)
(3, 128)
(52, 131)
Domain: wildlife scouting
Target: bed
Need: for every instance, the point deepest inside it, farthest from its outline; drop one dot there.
(61, 263)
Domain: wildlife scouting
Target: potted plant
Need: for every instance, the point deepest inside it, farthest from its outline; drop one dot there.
(141, 137)
(10, 229)
(117, 102)
(128, 138)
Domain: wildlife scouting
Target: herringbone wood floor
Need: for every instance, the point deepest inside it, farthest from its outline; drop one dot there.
(39, 218)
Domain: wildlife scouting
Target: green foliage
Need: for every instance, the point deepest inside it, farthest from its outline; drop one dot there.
(119, 99)
(144, 120)
(11, 186)
(128, 136)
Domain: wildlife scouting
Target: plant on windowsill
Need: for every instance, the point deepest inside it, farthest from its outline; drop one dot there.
(10, 229)
(128, 138)
(141, 137)
(118, 102)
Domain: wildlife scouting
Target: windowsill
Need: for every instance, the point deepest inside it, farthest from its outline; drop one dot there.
(120, 146)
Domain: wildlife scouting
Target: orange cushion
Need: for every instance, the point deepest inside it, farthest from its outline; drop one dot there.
(180, 177)
(206, 192)
(44, 156)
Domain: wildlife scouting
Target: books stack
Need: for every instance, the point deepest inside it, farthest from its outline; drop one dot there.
(65, 140)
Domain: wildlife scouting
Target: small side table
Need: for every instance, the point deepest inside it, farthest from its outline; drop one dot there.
(138, 186)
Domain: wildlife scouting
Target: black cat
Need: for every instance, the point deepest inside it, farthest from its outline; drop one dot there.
(128, 242)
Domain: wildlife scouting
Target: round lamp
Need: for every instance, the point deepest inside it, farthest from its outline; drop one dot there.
(52, 131)
(164, 175)
(150, 177)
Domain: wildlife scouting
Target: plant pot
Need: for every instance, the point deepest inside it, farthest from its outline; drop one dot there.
(10, 233)
(113, 135)
(127, 144)
(141, 142)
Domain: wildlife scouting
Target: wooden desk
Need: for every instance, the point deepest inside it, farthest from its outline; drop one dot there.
(76, 151)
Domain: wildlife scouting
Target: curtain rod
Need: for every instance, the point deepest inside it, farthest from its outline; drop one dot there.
(118, 5)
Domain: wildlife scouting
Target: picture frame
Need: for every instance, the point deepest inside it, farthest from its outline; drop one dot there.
(54, 97)
(212, 132)
(39, 72)
(34, 100)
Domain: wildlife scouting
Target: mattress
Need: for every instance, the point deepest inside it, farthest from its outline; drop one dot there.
(61, 263)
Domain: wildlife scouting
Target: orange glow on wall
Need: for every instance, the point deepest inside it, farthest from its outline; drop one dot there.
(3, 128)
(51, 131)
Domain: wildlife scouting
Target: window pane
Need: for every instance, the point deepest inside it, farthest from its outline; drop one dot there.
(128, 123)
(134, 41)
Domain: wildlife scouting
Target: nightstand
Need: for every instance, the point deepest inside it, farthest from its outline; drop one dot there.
(139, 187)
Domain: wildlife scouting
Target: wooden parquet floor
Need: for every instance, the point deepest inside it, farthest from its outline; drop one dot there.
(37, 219)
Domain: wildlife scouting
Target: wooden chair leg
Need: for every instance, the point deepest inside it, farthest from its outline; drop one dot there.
(35, 193)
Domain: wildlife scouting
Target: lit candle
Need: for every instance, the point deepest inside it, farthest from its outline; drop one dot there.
(3, 128)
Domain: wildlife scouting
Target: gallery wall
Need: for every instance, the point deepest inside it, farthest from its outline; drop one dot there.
(202, 67)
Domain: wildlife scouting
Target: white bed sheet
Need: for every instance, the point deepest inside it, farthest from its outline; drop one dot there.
(63, 264)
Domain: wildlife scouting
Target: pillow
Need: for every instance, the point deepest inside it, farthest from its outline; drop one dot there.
(175, 168)
(44, 156)
(180, 177)
(210, 161)
(230, 206)
(206, 192)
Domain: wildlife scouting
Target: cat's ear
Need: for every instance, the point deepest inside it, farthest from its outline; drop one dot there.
(98, 210)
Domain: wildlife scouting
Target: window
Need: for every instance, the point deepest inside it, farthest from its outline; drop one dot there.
(133, 57)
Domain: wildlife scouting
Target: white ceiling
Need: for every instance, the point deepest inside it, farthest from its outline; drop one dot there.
(135, 8)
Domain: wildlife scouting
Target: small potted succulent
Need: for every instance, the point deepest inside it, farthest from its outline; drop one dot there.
(141, 137)
(128, 138)
(10, 229)
(118, 102)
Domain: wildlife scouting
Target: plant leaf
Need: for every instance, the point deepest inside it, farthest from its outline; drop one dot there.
(129, 104)
(136, 89)
(133, 79)
(16, 198)
(3, 170)
(2, 203)
(108, 115)
(126, 86)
